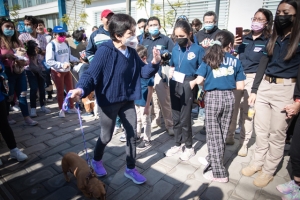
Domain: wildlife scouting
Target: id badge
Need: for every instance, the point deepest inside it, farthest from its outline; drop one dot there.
(257, 49)
(178, 77)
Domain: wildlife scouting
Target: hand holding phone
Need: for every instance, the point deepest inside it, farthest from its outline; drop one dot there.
(239, 32)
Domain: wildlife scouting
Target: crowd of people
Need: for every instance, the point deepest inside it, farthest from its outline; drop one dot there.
(132, 81)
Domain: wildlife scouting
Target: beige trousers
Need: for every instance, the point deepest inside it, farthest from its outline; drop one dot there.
(241, 100)
(163, 96)
(143, 121)
(270, 124)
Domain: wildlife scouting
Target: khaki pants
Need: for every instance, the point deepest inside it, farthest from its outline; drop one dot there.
(241, 100)
(270, 124)
(143, 121)
(163, 96)
(88, 102)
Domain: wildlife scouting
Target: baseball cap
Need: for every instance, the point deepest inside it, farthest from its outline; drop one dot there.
(58, 29)
(105, 13)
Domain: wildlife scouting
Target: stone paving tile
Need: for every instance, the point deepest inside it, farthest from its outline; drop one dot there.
(284, 167)
(79, 139)
(190, 189)
(155, 173)
(45, 131)
(54, 159)
(59, 139)
(179, 173)
(166, 146)
(25, 130)
(245, 189)
(71, 122)
(116, 163)
(148, 159)
(56, 182)
(271, 187)
(35, 192)
(246, 159)
(22, 138)
(154, 146)
(160, 190)
(35, 148)
(161, 137)
(63, 193)
(234, 171)
(218, 191)
(29, 180)
(234, 147)
(77, 148)
(170, 162)
(268, 196)
(38, 139)
(55, 150)
(128, 191)
(200, 137)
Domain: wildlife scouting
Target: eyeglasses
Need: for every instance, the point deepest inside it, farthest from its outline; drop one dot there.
(253, 19)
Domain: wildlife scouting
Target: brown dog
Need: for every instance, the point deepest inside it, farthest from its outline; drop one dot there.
(87, 182)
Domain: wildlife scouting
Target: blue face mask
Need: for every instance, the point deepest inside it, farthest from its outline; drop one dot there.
(76, 42)
(141, 31)
(8, 32)
(28, 29)
(154, 30)
(209, 27)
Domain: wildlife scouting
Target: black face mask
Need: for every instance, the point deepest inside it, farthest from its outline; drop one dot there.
(283, 21)
(182, 42)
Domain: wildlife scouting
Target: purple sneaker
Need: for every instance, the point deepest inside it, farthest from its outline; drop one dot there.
(135, 176)
(99, 168)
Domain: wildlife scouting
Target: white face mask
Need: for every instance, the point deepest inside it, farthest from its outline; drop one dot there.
(131, 42)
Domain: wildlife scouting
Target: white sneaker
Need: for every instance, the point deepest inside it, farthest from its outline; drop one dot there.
(238, 130)
(72, 111)
(243, 151)
(203, 161)
(173, 151)
(18, 155)
(61, 114)
(45, 110)
(117, 130)
(187, 154)
(15, 108)
(33, 112)
(123, 138)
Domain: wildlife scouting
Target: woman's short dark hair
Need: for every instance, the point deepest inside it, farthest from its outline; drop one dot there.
(141, 50)
(40, 21)
(32, 19)
(77, 35)
(269, 16)
(295, 36)
(196, 22)
(185, 26)
(211, 13)
(215, 54)
(30, 48)
(119, 24)
(152, 19)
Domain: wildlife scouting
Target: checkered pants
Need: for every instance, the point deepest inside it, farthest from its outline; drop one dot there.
(219, 108)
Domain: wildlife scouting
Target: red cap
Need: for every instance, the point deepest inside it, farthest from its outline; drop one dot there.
(105, 13)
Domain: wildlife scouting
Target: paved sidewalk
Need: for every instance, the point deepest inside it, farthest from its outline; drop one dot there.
(168, 177)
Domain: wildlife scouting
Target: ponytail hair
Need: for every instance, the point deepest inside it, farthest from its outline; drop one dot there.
(215, 54)
(186, 27)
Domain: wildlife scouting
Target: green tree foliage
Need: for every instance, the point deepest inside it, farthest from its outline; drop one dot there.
(79, 19)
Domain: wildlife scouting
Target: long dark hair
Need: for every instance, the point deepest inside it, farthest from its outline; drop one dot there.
(186, 27)
(15, 42)
(215, 54)
(269, 16)
(295, 36)
(30, 48)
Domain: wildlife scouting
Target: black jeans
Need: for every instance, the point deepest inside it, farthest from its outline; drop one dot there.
(295, 149)
(36, 82)
(181, 103)
(5, 128)
(108, 114)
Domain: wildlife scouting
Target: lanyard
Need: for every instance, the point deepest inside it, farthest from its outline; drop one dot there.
(180, 61)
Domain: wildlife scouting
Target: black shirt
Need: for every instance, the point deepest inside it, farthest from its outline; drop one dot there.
(161, 41)
(277, 66)
(202, 35)
(251, 51)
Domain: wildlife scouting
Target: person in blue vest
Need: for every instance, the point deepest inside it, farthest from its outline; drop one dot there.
(186, 58)
(141, 23)
(115, 74)
(223, 73)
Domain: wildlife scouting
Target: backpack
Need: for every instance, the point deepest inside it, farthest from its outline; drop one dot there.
(53, 49)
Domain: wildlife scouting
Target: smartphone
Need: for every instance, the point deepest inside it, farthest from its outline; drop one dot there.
(239, 31)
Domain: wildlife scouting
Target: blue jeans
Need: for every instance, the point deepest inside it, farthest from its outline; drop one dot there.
(17, 83)
(36, 82)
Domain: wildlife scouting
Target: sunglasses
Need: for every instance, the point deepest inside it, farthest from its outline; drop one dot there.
(183, 17)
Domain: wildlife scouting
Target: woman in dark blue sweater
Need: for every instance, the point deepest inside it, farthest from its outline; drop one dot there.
(115, 74)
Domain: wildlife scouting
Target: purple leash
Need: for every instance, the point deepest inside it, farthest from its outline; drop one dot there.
(65, 107)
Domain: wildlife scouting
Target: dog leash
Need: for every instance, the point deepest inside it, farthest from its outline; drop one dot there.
(65, 107)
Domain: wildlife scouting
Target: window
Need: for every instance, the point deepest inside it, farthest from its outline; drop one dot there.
(28, 3)
(271, 5)
(196, 9)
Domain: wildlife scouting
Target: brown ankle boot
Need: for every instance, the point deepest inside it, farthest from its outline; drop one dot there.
(262, 180)
(250, 170)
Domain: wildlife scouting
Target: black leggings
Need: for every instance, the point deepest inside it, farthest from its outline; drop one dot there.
(5, 128)
(295, 149)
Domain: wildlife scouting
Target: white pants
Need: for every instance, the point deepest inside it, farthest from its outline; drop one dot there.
(143, 121)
